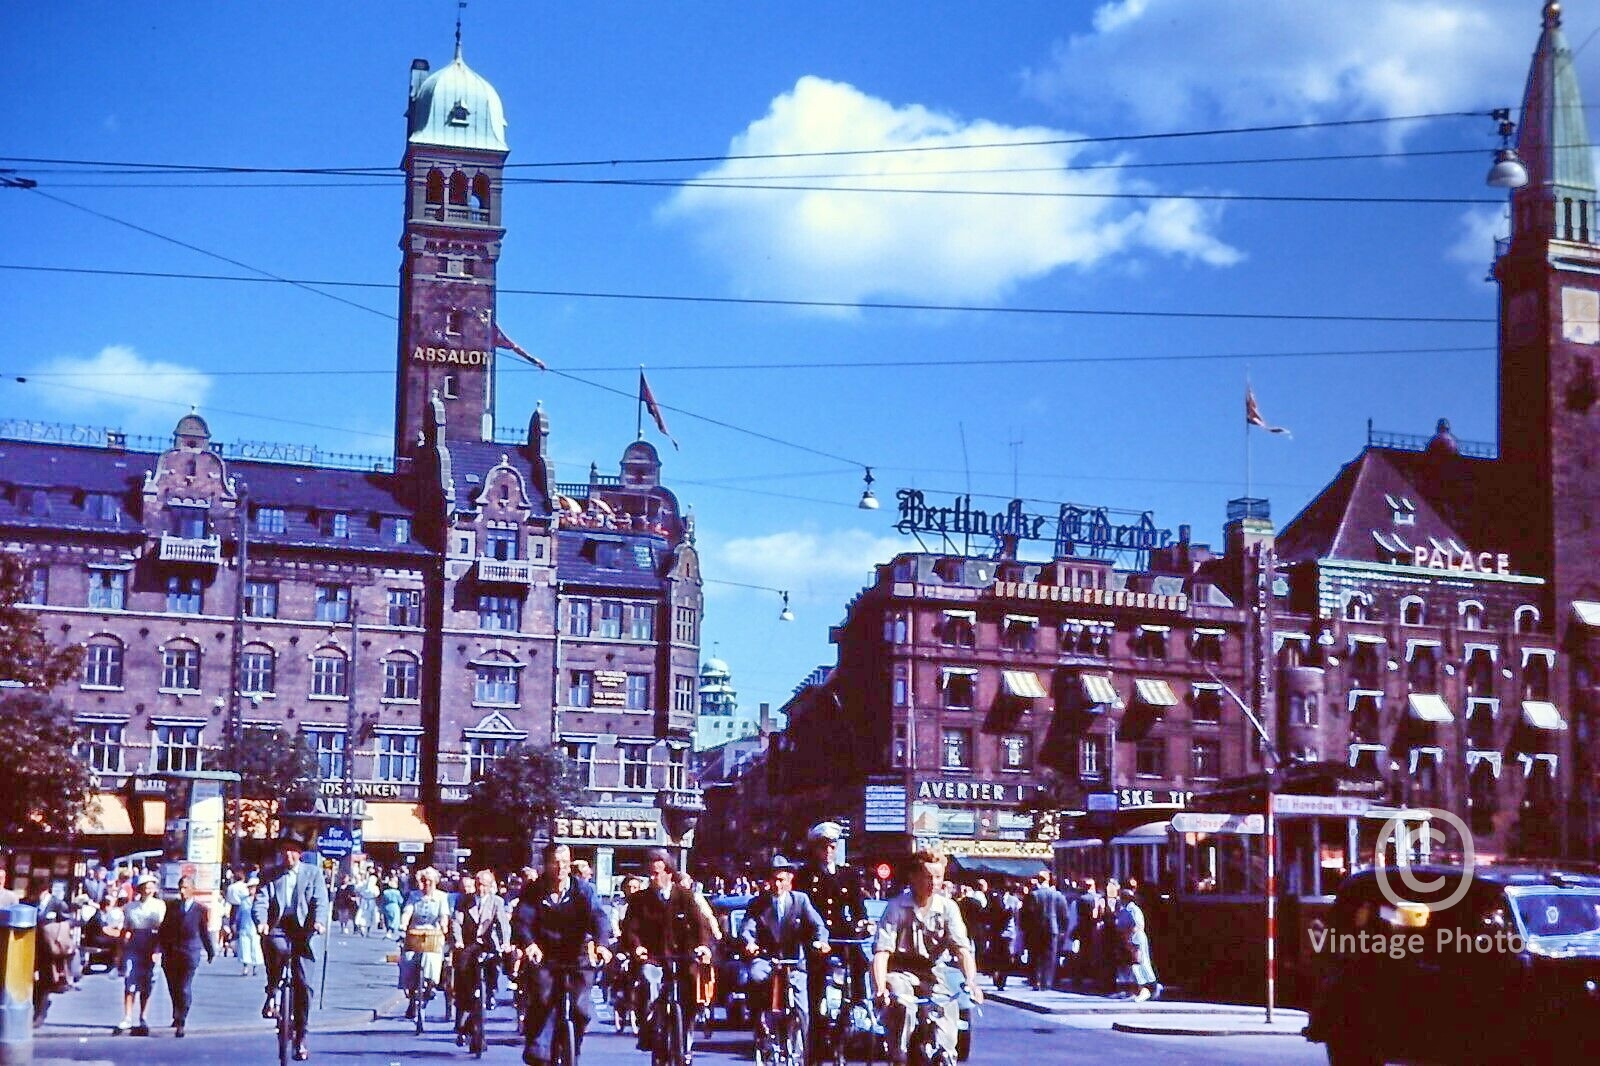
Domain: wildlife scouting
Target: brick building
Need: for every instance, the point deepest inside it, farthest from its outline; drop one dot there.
(413, 615)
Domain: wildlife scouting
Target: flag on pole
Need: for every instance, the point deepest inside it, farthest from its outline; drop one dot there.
(505, 342)
(1252, 414)
(648, 398)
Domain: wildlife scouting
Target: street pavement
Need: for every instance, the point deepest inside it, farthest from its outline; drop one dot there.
(361, 1024)
(1168, 1016)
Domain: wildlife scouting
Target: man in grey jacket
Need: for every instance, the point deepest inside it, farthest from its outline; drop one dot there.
(291, 909)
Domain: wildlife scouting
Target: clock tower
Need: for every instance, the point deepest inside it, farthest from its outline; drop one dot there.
(450, 247)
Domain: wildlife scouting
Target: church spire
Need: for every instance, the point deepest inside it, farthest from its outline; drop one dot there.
(1553, 143)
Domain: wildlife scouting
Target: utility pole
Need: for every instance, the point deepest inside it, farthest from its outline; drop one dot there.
(241, 516)
(350, 727)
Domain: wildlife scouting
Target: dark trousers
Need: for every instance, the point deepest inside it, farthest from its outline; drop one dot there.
(180, 982)
(279, 951)
(540, 1025)
(1042, 957)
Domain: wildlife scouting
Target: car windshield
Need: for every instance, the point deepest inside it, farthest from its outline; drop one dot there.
(1559, 913)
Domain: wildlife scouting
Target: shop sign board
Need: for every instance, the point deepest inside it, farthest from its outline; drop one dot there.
(885, 809)
(1330, 806)
(1195, 822)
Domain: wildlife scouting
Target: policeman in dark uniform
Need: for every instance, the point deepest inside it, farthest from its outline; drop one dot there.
(835, 890)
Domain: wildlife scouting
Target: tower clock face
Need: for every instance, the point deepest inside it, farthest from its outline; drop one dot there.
(1580, 315)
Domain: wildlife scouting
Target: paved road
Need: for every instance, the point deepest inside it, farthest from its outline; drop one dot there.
(1004, 1037)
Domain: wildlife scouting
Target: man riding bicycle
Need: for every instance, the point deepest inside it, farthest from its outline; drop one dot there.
(920, 929)
(558, 922)
(291, 908)
(663, 919)
(835, 890)
(780, 924)
(480, 929)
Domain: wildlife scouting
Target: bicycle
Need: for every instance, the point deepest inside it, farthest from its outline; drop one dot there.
(781, 1027)
(479, 1000)
(924, 1047)
(564, 1041)
(670, 1043)
(283, 992)
(846, 1008)
(626, 996)
(420, 944)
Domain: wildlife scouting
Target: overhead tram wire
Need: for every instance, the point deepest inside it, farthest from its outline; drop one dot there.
(753, 301)
(859, 364)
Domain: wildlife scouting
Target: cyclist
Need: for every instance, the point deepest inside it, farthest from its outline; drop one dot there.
(781, 923)
(291, 908)
(835, 890)
(920, 929)
(423, 924)
(480, 929)
(559, 922)
(663, 919)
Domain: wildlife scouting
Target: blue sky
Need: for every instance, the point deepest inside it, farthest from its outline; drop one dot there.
(1129, 411)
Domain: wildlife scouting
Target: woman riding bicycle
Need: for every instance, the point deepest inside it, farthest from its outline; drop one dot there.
(423, 922)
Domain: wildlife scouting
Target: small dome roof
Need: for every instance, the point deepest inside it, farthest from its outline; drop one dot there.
(715, 668)
(192, 425)
(456, 108)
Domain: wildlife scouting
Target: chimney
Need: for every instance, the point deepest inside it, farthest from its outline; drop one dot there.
(765, 720)
(419, 74)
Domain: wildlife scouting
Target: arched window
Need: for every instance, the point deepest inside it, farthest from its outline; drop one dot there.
(102, 662)
(258, 670)
(1355, 606)
(180, 666)
(436, 187)
(458, 189)
(330, 673)
(497, 680)
(400, 676)
(1471, 615)
(480, 193)
(1536, 678)
(1413, 612)
(1526, 619)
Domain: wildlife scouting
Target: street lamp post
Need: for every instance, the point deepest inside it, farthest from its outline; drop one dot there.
(350, 720)
(241, 516)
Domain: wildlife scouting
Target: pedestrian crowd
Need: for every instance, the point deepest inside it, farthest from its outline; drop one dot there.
(1074, 935)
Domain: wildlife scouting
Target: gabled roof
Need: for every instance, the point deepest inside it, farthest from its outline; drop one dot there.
(1354, 518)
(640, 561)
(471, 461)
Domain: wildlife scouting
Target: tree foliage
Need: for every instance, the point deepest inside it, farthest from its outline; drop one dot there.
(274, 767)
(46, 786)
(26, 656)
(520, 794)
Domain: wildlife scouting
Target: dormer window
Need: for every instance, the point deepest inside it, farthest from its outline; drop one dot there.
(336, 524)
(458, 115)
(1402, 510)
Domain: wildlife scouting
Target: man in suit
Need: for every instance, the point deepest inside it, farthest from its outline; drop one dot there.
(1041, 930)
(663, 919)
(291, 909)
(781, 923)
(480, 929)
(558, 921)
(185, 933)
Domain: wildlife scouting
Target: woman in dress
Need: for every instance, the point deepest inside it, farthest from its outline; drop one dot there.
(247, 939)
(391, 901)
(367, 893)
(1136, 974)
(423, 923)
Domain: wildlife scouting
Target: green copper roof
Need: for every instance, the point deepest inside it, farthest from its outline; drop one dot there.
(454, 107)
(1553, 140)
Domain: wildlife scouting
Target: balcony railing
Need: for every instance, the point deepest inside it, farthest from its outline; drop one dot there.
(175, 549)
(505, 571)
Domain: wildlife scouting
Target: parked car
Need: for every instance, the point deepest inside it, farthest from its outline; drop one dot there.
(1509, 973)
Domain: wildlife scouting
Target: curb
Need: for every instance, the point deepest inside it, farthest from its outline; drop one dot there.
(1156, 1029)
(1112, 1007)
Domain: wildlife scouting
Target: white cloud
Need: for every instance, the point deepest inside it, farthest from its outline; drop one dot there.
(1474, 246)
(118, 380)
(807, 563)
(1174, 64)
(828, 244)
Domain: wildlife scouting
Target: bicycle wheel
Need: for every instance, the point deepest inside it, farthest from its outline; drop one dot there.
(285, 1026)
(839, 1035)
(563, 1040)
(794, 1037)
(672, 1033)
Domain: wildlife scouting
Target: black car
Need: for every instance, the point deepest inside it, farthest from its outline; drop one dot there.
(1507, 973)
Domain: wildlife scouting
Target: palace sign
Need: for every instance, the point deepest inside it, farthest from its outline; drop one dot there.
(1462, 562)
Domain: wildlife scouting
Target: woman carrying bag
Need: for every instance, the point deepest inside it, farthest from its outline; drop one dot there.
(1136, 974)
(423, 923)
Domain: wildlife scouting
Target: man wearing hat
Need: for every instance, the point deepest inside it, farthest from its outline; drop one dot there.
(835, 890)
(291, 908)
(780, 924)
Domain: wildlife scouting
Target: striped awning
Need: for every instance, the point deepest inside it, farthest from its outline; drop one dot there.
(106, 814)
(1541, 714)
(1099, 690)
(1024, 684)
(393, 823)
(1154, 692)
(1426, 707)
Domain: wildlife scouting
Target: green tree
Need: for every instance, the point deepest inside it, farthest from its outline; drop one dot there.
(276, 771)
(46, 786)
(520, 795)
